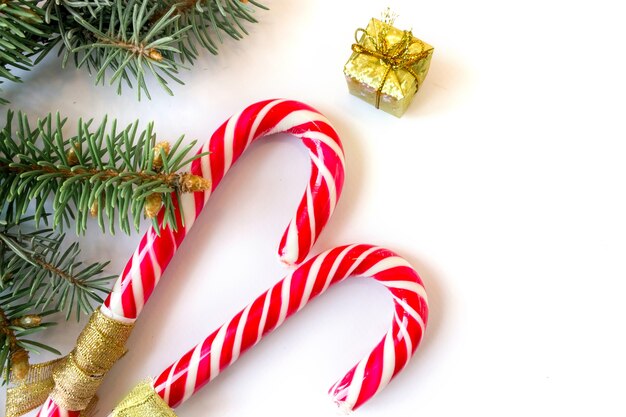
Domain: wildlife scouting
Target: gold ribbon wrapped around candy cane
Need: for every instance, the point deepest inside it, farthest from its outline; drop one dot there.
(73, 380)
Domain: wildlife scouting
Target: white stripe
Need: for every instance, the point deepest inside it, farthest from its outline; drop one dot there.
(330, 181)
(284, 299)
(333, 269)
(155, 266)
(411, 312)
(188, 206)
(405, 335)
(205, 164)
(259, 118)
(115, 303)
(292, 244)
(385, 264)
(311, 213)
(296, 118)
(266, 307)
(229, 140)
(389, 361)
(112, 315)
(216, 350)
(135, 273)
(169, 382)
(311, 278)
(192, 373)
(172, 238)
(46, 407)
(326, 140)
(360, 260)
(63, 412)
(239, 334)
(354, 389)
(409, 286)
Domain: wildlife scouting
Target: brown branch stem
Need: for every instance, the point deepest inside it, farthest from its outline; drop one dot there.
(180, 182)
(171, 180)
(4, 328)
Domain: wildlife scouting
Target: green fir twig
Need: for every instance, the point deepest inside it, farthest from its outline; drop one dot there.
(38, 277)
(102, 171)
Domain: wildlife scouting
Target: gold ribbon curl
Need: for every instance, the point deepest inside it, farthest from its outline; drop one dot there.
(395, 56)
(143, 401)
(72, 381)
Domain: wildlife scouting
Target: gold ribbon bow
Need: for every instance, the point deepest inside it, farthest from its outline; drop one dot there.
(72, 381)
(394, 56)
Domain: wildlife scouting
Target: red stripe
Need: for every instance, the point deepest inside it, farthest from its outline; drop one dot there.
(164, 247)
(402, 355)
(128, 300)
(251, 330)
(242, 131)
(216, 147)
(339, 391)
(229, 340)
(179, 380)
(322, 275)
(274, 309)
(148, 276)
(372, 376)
(321, 199)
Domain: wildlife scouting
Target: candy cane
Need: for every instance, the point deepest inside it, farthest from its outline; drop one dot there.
(144, 269)
(205, 361)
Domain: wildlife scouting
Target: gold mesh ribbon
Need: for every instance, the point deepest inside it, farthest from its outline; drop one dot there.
(143, 401)
(394, 56)
(98, 347)
(30, 393)
(72, 381)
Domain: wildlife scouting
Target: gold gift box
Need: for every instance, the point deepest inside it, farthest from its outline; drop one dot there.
(387, 66)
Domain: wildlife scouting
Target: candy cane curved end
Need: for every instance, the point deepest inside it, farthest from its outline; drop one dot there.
(147, 264)
(226, 145)
(325, 152)
(224, 346)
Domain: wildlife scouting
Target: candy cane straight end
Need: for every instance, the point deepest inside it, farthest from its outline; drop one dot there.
(342, 408)
(219, 350)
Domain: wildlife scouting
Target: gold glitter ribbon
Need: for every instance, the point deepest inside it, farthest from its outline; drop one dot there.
(30, 393)
(143, 401)
(72, 381)
(394, 56)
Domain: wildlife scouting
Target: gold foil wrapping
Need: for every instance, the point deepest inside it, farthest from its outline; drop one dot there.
(72, 381)
(142, 401)
(387, 66)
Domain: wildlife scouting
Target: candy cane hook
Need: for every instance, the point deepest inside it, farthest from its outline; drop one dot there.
(206, 360)
(143, 271)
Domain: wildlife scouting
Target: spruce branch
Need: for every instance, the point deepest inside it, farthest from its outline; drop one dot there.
(208, 19)
(23, 34)
(102, 171)
(120, 42)
(34, 265)
(38, 278)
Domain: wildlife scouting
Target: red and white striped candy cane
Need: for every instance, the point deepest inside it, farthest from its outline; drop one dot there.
(144, 269)
(205, 361)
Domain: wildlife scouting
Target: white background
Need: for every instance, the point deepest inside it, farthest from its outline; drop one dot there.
(503, 185)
